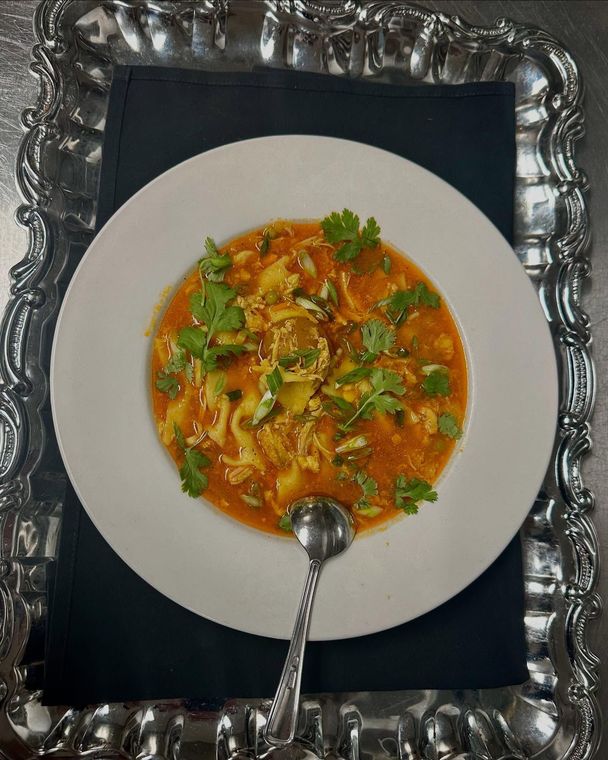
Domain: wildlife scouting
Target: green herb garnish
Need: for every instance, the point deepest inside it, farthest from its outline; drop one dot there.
(449, 426)
(214, 264)
(437, 383)
(344, 228)
(235, 395)
(376, 337)
(194, 482)
(386, 263)
(359, 373)
(384, 382)
(167, 383)
(211, 308)
(264, 245)
(308, 356)
(369, 487)
(398, 303)
(408, 493)
(285, 523)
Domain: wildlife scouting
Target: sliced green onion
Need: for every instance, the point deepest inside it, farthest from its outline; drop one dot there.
(235, 395)
(333, 293)
(359, 373)
(369, 511)
(358, 442)
(285, 523)
(307, 264)
(274, 381)
(353, 456)
(386, 263)
(252, 501)
(428, 369)
(263, 408)
(219, 385)
(305, 303)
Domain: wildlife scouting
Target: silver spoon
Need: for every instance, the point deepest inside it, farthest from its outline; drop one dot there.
(325, 529)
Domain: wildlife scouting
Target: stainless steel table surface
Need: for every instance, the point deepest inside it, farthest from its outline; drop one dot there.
(582, 25)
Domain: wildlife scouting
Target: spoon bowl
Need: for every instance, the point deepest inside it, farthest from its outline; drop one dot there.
(322, 525)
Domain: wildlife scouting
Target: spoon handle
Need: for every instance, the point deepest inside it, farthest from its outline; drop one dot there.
(282, 719)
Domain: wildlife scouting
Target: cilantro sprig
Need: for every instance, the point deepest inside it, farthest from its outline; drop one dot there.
(211, 308)
(194, 482)
(213, 265)
(369, 487)
(380, 398)
(344, 228)
(376, 338)
(167, 383)
(410, 492)
(449, 426)
(398, 303)
(437, 383)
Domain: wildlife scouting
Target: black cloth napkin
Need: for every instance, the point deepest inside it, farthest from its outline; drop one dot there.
(111, 636)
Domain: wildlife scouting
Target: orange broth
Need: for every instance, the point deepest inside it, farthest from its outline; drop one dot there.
(254, 472)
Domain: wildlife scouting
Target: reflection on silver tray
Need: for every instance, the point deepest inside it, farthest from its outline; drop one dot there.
(555, 714)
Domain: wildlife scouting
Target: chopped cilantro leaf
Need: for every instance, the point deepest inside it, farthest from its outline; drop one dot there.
(384, 383)
(437, 383)
(449, 426)
(344, 228)
(211, 308)
(194, 340)
(167, 383)
(194, 482)
(408, 493)
(370, 234)
(369, 487)
(376, 337)
(176, 363)
(398, 303)
(264, 245)
(214, 264)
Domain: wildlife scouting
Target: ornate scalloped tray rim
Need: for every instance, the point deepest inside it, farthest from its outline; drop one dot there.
(556, 714)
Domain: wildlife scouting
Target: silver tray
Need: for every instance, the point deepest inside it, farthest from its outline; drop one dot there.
(555, 714)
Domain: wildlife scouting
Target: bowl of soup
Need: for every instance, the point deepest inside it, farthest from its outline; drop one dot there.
(309, 357)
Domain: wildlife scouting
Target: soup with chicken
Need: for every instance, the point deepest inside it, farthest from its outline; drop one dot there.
(308, 357)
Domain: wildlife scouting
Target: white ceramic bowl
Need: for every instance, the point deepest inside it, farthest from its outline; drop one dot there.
(197, 555)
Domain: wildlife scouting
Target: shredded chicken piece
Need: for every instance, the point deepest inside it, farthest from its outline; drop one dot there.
(354, 311)
(236, 475)
(275, 444)
(253, 306)
(445, 346)
(310, 462)
(429, 419)
(305, 436)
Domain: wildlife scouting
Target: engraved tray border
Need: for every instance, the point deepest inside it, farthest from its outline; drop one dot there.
(556, 713)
